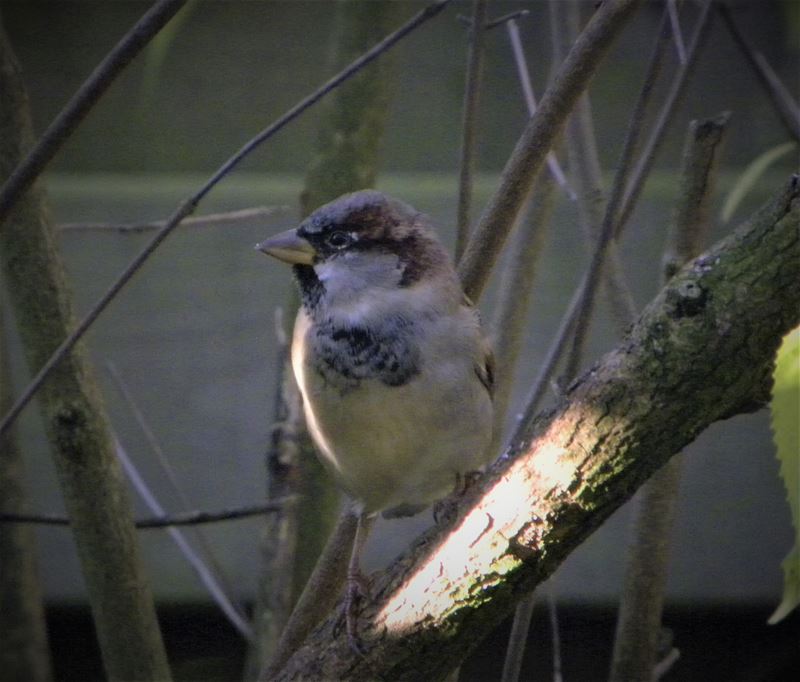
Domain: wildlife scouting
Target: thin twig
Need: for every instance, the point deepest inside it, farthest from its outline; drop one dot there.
(555, 631)
(584, 163)
(519, 14)
(665, 664)
(190, 204)
(68, 119)
(207, 577)
(514, 297)
(205, 552)
(677, 34)
(189, 518)
(579, 303)
(621, 206)
(469, 126)
(543, 128)
(515, 650)
(785, 105)
(243, 215)
(530, 101)
(645, 162)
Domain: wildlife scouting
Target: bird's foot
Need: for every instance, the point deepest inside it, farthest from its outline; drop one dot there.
(445, 510)
(357, 588)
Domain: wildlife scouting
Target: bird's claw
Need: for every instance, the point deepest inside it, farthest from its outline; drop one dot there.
(356, 590)
(446, 509)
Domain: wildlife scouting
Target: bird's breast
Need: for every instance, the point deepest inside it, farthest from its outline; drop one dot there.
(394, 416)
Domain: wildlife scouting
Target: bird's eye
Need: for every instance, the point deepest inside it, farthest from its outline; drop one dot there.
(338, 239)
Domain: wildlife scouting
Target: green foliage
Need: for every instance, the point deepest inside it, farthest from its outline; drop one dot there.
(747, 180)
(786, 432)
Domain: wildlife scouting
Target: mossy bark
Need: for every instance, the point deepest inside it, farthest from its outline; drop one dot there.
(24, 654)
(74, 416)
(353, 120)
(701, 351)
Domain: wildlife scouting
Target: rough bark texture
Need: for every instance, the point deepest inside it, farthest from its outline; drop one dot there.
(700, 352)
(24, 654)
(90, 478)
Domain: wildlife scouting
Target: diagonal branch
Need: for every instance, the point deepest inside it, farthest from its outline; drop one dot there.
(785, 105)
(700, 352)
(187, 518)
(68, 119)
(469, 123)
(530, 153)
(189, 205)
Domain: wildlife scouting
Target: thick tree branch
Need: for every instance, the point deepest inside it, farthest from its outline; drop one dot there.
(74, 418)
(699, 352)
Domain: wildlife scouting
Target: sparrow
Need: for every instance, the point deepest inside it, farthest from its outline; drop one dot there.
(394, 371)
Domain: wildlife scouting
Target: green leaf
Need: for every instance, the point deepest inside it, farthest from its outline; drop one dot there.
(755, 169)
(785, 409)
(791, 587)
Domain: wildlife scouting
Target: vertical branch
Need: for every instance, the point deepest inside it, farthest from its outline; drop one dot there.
(641, 605)
(76, 424)
(512, 665)
(514, 298)
(621, 205)
(24, 654)
(347, 159)
(581, 301)
(531, 150)
(584, 163)
(469, 127)
(288, 445)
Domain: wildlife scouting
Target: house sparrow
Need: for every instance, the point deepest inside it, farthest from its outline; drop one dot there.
(395, 374)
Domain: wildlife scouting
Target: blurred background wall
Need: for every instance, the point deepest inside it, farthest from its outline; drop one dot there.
(193, 335)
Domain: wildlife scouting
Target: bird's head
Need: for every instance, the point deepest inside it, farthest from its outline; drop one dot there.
(360, 243)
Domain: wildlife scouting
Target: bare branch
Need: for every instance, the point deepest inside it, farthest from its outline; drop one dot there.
(320, 593)
(75, 421)
(531, 150)
(469, 125)
(243, 215)
(494, 23)
(190, 204)
(189, 518)
(512, 665)
(621, 206)
(677, 35)
(210, 570)
(645, 162)
(68, 119)
(785, 105)
(530, 101)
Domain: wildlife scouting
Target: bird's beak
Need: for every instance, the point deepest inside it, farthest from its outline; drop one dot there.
(288, 247)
